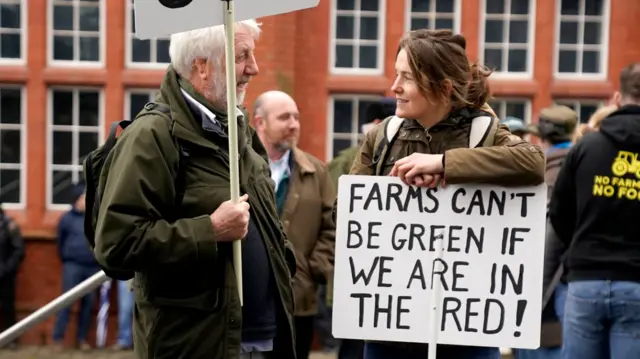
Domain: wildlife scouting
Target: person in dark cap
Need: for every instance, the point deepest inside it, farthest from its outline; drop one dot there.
(78, 264)
(516, 126)
(555, 128)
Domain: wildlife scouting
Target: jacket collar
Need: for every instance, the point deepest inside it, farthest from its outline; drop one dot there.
(191, 122)
(302, 161)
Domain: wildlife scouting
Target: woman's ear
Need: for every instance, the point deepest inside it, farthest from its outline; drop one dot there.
(447, 89)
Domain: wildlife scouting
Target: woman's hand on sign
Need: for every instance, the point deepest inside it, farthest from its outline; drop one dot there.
(419, 169)
(424, 180)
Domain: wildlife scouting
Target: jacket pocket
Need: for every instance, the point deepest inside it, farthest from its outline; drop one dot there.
(187, 333)
(208, 301)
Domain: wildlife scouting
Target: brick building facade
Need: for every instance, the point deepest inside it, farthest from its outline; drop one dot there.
(69, 68)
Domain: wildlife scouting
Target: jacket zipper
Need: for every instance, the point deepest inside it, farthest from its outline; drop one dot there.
(429, 138)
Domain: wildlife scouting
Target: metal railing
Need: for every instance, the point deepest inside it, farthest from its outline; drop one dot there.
(51, 308)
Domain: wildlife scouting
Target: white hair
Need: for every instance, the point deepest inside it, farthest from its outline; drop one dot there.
(209, 43)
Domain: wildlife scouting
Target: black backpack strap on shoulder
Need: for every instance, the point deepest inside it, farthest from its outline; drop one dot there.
(111, 139)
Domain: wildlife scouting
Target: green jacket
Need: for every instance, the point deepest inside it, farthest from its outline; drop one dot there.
(187, 303)
(341, 165)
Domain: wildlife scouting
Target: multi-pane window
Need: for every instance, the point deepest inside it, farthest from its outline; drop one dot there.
(346, 116)
(74, 130)
(514, 107)
(12, 146)
(508, 35)
(135, 101)
(75, 30)
(12, 29)
(358, 36)
(150, 52)
(433, 14)
(584, 108)
(583, 27)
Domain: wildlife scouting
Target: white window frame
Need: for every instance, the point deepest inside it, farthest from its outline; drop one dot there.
(381, 41)
(22, 166)
(603, 47)
(128, 37)
(432, 15)
(136, 91)
(529, 46)
(76, 63)
(69, 128)
(578, 102)
(354, 136)
(24, 34)
(528, 107)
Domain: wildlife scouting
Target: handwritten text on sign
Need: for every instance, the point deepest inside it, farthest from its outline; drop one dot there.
(490, 272)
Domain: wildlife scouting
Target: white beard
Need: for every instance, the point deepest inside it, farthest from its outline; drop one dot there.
(219, 86)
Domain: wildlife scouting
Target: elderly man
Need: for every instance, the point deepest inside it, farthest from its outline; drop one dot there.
(304, 199)
(165, 214)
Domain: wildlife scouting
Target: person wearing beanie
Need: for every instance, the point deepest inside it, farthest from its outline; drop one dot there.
(78, 264)
(516, 126)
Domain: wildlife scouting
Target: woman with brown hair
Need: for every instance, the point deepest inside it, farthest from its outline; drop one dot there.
(438, 94)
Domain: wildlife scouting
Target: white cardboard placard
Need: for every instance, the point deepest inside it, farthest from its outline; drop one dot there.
(490, 271)
(154, 20)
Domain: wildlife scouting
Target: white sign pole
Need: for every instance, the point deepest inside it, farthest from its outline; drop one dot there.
(230, 55)
(434, 318)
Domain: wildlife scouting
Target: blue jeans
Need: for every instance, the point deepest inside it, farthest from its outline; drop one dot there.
(559, 301)
(421, 351)
(125, 315)
(602, 320)
(72, 275)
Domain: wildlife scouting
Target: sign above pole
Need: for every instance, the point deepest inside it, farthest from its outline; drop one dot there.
(161, 18)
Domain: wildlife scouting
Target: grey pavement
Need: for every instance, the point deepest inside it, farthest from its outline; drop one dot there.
(47, 353)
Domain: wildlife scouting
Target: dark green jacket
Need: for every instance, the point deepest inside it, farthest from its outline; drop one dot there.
(341, 165)
(187, 303)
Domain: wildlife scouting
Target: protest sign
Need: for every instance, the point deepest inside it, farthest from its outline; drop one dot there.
(158, 18)
(489, 271)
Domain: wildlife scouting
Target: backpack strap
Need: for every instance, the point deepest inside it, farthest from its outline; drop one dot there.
(161, 109)
(483, 131)
(386, 135)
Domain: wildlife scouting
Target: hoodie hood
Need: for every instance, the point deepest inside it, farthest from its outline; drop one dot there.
(623, 126)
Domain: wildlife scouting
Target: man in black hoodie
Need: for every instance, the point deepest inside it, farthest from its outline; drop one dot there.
(594, 209)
